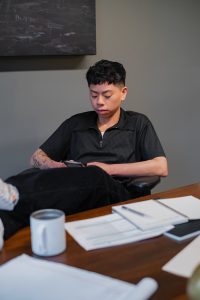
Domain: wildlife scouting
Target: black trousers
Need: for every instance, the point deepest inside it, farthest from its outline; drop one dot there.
(71, 190)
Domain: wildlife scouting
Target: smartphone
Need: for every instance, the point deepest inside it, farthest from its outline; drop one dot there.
(184, 231)
(73, 164)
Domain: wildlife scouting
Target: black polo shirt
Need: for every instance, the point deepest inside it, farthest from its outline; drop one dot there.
(132, 139)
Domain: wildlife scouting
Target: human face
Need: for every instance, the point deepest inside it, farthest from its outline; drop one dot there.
(106, 99)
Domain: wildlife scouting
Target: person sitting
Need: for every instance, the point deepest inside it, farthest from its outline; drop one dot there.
(112, 144)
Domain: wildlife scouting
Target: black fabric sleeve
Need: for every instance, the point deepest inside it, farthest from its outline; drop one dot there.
(57, 145)
(149, 143)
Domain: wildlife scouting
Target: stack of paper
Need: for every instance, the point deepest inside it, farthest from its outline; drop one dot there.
(188, 206)
(109, 230)
(154, 213)
(27, 278)
(134, 222)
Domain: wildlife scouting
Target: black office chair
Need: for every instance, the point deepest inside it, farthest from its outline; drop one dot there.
(142, 186)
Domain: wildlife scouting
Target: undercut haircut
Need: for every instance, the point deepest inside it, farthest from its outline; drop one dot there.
(105, 71)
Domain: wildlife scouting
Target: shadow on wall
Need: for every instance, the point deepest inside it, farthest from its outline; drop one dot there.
(30, 63)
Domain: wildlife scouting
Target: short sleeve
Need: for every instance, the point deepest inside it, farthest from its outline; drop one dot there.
(56, 146)
(149, 145)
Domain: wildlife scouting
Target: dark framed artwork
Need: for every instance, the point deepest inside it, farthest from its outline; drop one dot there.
(47, 27)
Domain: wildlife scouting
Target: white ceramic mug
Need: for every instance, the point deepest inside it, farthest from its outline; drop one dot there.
(48, 235)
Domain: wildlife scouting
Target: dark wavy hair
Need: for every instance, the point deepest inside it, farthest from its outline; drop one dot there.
(106, 71)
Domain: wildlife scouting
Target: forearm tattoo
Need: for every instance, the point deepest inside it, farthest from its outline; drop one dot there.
(40, 160)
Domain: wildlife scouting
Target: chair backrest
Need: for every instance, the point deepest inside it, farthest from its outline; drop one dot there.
(142, 186)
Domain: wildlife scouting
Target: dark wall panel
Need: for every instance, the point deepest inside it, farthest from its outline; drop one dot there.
(46, 27)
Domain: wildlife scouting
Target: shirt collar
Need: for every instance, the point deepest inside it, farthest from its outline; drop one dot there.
(124, 122)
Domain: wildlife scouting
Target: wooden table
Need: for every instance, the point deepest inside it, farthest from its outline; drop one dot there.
(130, 262)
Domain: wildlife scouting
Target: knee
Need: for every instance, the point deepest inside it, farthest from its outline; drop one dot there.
(97, 171)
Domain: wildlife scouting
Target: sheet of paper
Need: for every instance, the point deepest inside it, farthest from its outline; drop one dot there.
(30, 278)
(108, 230)
(189, 206)
(184, 263)
(155, 214)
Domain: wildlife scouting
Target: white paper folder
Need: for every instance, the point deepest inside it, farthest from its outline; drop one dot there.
(150, 214)
(27, 278)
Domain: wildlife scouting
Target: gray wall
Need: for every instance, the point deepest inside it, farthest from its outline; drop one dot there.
(158, 43)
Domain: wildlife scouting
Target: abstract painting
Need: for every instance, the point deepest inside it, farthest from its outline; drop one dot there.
(47, 27)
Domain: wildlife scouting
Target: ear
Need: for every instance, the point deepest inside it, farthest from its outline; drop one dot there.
(124, 92)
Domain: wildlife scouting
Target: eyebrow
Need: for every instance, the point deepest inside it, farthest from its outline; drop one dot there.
(104, 92)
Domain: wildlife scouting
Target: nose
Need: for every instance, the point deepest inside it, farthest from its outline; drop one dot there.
(100, 100)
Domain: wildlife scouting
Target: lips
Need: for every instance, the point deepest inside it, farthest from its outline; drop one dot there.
(101, 110)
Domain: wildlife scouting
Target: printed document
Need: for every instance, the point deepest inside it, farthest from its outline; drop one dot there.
(188, 206)
(154, 214)
(28, 278)
(150, 214)
(108, 230)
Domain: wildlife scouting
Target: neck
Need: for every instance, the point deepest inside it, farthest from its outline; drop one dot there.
(105, 123)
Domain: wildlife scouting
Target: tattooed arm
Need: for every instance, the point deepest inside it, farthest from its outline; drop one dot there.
(41, 160)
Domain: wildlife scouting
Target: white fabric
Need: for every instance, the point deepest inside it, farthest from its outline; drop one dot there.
(1, 234)
(9, 196)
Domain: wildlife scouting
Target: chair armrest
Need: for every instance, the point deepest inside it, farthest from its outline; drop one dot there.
(143, 184)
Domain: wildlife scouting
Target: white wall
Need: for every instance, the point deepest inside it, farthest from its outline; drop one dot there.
(158, 43)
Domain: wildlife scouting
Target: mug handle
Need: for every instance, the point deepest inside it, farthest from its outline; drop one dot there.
(41, 233)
